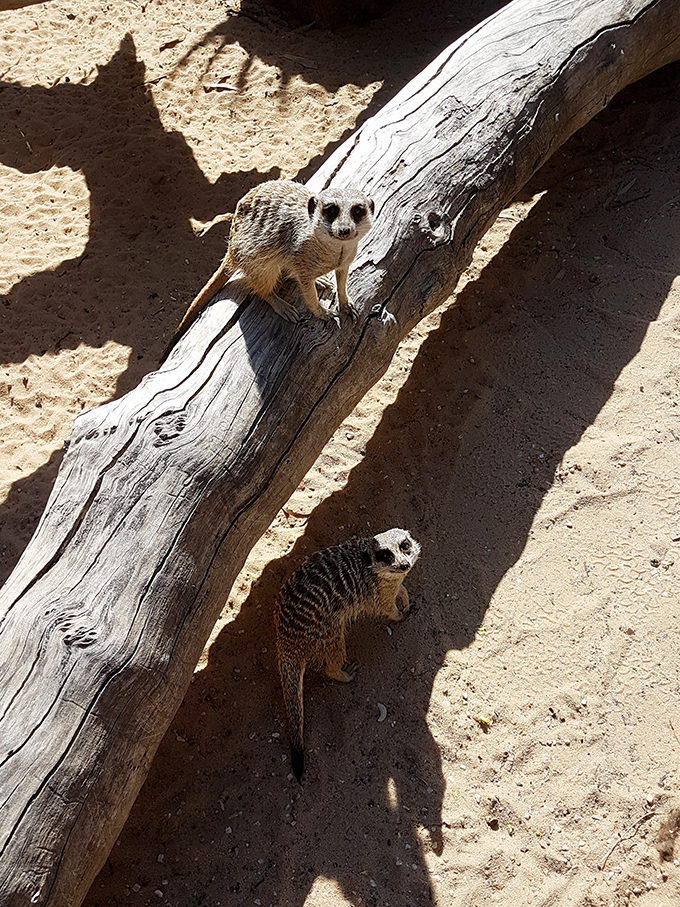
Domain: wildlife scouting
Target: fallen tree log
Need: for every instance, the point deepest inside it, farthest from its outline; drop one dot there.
(161, 494)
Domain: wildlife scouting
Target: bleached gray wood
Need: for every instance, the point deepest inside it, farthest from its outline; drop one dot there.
(161, 494)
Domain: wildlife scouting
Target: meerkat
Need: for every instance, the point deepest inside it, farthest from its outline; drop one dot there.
(281, 228)
(322, 598)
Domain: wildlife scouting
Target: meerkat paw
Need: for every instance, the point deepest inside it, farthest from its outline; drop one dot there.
(284, 308)
(350, 670)
(345, 674)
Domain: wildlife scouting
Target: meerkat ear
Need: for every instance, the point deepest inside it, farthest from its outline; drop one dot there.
(311, 206)
(371, 205)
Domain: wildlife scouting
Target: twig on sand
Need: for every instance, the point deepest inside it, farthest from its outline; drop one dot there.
(629, 832)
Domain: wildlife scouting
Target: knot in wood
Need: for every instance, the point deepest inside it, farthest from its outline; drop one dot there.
(437, 230)
(168, 428)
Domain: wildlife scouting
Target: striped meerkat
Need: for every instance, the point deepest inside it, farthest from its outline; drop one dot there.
(324, 596)
(282, 228)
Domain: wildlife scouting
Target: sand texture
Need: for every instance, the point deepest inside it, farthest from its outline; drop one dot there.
(527, 433)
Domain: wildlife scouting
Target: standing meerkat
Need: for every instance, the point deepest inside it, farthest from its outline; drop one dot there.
(281, 228)
(324, 596)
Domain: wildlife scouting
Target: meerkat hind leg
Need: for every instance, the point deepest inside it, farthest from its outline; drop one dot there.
(283, 308)
(336, 662)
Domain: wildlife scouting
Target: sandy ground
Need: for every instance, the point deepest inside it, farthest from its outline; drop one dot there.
(527, 433)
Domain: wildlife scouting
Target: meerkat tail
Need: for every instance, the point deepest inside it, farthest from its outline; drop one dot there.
(297, 761)
(213, 286)
(292, 675)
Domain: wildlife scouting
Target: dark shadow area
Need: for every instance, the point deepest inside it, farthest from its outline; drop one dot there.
(516, 371)
(333, 13)
(144, 186)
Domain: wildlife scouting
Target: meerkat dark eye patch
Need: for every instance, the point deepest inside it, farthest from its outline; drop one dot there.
(330, 213)
(405, 545)
(384, 556)
(358, 213)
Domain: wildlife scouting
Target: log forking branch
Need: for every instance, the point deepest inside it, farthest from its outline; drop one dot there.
(161, 494)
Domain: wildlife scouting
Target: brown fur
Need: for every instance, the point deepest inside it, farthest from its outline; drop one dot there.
(328, 593)
(282, 228)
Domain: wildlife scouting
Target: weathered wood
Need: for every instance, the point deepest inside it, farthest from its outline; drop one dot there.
(161, 494)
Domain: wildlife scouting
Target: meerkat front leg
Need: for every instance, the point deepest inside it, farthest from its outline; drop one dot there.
(400, 598)
(343, 299)
(311, 299)
(402, 601)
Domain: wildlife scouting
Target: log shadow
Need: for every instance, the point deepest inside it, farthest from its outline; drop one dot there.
(516, 371)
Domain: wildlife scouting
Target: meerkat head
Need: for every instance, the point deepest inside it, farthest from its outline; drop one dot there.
(394, 551)
(344, 214)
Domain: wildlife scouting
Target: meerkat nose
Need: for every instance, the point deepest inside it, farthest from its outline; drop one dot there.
(403, 566)
(344, 232)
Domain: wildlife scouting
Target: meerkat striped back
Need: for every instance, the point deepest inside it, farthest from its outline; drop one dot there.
(331, 581)
(324, 596)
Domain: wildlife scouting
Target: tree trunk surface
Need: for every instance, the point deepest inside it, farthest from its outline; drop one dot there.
(162, 494)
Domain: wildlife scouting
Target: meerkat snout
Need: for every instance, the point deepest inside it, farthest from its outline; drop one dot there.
(345, 221)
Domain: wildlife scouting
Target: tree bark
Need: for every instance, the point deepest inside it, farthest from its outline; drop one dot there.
(162, 494)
